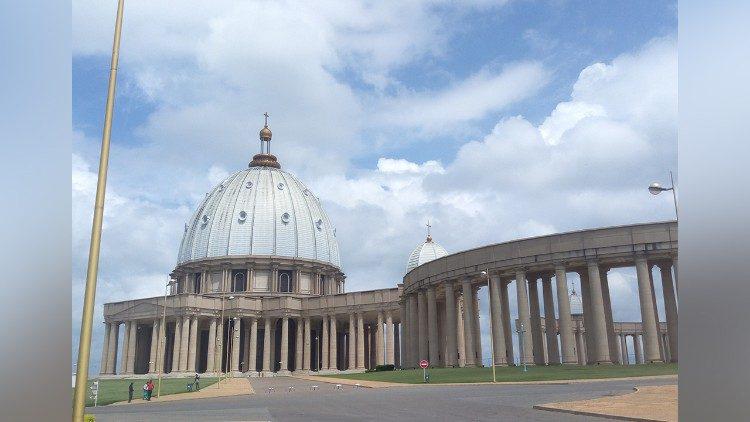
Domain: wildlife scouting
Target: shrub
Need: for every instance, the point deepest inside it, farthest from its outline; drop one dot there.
(379, 368)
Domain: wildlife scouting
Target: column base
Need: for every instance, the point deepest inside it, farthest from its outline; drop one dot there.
(284, 373)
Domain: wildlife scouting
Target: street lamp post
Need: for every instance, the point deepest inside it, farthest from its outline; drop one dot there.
(492, 335)
(87, 316)
(655, 189)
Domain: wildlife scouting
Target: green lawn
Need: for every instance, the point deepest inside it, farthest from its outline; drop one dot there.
(111, 391)
(505, 374)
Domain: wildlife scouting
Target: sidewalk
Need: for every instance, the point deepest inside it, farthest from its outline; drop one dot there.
(384, 384)
(228, 387)
(653, 403)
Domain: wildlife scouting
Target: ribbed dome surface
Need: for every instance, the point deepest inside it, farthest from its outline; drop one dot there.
(260, 211)
(425, 252)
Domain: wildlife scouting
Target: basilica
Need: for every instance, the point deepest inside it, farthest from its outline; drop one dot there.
(259, 290)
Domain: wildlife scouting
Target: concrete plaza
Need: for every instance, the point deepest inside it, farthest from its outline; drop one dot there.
(326, 403)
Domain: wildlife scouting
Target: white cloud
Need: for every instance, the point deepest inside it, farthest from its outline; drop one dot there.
(471, 99)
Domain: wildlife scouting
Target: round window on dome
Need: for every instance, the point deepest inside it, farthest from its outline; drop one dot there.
(243, 216)
(319, 224)
(285, 218)
(248, 185)
(280, 186)
(205, 219)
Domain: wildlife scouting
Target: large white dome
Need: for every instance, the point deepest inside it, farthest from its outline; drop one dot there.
(262, 210)
(576, 304)
(425, 252)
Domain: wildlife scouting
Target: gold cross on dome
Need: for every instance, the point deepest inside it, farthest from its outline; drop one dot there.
(266, 114)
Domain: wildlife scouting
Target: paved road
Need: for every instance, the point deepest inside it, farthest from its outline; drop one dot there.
(430, 403)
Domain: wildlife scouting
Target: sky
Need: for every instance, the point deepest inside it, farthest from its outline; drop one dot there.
(494, 120)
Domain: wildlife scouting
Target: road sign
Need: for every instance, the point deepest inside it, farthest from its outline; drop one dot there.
(424, 364)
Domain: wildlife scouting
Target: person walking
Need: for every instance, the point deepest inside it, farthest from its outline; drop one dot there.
(197, 382)
(149, 389)
(130, 392)
(145, 391)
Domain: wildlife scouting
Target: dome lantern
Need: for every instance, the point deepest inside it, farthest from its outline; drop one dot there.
(265, 158)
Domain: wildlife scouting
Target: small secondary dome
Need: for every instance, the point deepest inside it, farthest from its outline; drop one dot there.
(425, 252)
(576, 304)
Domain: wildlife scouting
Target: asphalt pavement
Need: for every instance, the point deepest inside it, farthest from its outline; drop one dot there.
(328, 403)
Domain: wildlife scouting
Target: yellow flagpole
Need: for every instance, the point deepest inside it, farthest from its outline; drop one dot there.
(84, 344)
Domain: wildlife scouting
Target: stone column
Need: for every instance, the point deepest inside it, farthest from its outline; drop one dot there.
(184, 343)
(154, 344)
(379, 346)
(325, 343)
(670, 308)
(105, 349)
(536, 322)
(404, 305)
(550, 323)
(245, 364)
(219, 341)
(450, 324)
(498, 332)
(422, 317)
(477, 333)
(624, 349)
(267, 344)
(352, 342)
(235, 352)
(650, 329)
(176, 345)
(611, 337)
(162, 345)
(307, 357)
(432, 326)
(389, 339)
(131, 346)
(414, 331)
(125, 342)
(470, 354)
(588, 335)
(284, 366)
(565, 324)
(360, 342)
(525, 341)
(114, 333)
(580, 341)
(298, 354)
(252, 358)
(505, 315)
(334, 343)
(210, 354)
(397, 345)
(193, 346)
(460, 343)
(638, 348)
(599, 320)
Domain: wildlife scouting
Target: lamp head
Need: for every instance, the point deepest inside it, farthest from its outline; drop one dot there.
(655, 188)
(484, 273)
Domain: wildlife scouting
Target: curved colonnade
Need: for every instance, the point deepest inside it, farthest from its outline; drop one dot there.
(441, 314)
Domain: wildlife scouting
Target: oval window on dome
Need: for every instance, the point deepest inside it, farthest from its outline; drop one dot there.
(306, 192)
(243, 216)
(285, 218)
(248, 185)
(205, 219)
(280, 186)
(319, 224)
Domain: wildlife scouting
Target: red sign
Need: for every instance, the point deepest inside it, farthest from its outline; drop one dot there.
(423, 363)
